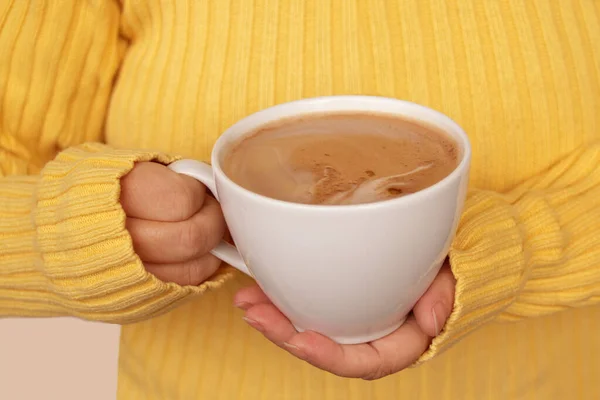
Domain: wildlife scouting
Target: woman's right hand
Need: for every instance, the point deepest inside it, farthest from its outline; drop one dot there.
(173, 221)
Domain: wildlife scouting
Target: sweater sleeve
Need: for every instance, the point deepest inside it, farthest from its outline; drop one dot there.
(530, 252)
(64, 249)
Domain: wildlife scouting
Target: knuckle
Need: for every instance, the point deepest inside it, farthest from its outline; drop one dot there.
(192, 239)
(177, 198)
(214, 225)
(200, 270)
(183, 198)
(375, 374)
(444, 295)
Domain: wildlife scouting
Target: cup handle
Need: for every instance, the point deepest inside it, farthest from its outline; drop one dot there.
(204, 173)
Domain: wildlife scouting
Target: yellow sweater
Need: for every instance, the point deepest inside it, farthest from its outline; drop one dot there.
(522, 77)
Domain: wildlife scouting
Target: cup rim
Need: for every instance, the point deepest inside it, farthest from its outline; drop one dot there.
(410, 108)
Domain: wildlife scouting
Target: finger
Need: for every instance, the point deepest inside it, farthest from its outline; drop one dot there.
(192, 272)
(400, 349)
(268, 320)
(152, 191)
(176, 242)
(250, 296)
(367, 361)
(435, 306)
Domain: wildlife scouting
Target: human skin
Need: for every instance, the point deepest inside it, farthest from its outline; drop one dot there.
(174, 223)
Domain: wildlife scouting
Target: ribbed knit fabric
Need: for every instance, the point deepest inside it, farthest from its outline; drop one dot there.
(531, 252)
(65, 249)
(522, 78)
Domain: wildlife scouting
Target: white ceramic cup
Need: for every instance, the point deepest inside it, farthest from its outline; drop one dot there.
(350, 272)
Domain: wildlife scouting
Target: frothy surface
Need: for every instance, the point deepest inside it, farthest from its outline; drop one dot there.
(341, 158)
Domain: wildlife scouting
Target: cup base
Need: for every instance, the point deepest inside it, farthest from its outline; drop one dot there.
(361, 339)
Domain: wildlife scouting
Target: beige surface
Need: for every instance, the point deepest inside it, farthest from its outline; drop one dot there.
(59, 358)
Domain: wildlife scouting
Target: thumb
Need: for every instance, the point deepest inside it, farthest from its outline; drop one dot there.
(434, 307)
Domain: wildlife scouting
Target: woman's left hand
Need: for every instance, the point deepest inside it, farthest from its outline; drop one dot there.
(368, 361)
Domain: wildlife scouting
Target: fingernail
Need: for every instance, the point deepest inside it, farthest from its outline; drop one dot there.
(295, 350)
(438, 311)
(243, 305)
(255, 324)
(435, 323)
